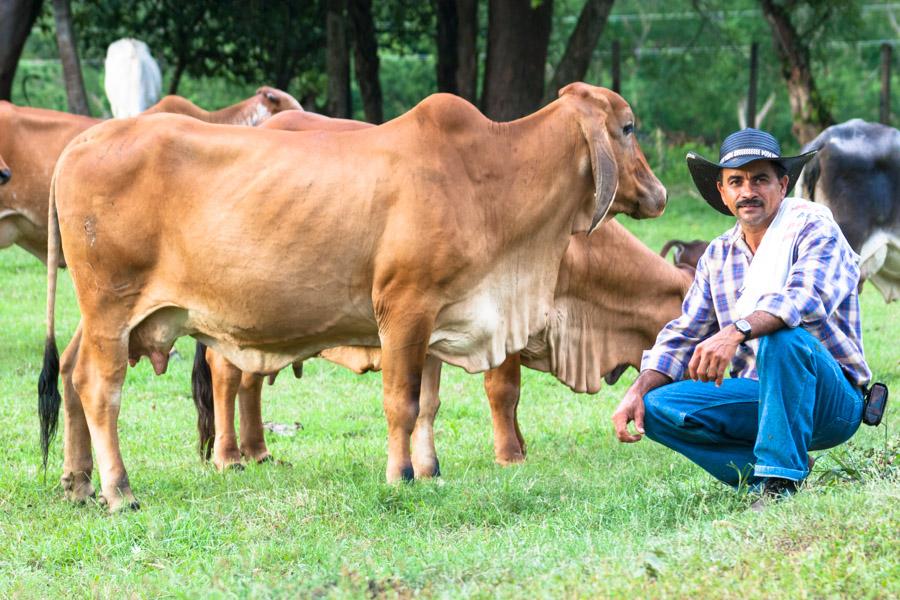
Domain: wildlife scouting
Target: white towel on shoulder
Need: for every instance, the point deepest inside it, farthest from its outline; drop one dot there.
(768, 271)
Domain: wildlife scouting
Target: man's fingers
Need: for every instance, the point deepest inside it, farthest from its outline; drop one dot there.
(639, 419)
(620, 420)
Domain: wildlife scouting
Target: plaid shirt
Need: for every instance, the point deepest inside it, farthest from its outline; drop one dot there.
(820, 295)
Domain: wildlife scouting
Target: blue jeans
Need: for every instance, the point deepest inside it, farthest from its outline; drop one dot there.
(801, 402)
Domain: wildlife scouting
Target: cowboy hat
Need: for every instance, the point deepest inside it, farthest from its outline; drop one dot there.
(740, 148)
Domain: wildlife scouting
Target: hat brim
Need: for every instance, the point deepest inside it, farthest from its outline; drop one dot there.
(705, 174)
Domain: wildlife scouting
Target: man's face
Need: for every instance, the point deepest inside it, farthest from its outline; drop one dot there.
(753, 193)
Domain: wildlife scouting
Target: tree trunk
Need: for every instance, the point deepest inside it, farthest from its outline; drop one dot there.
(808, 109)
(518, 36)
(580, 49)
(337, 61)
(16, 19)
(180, 66)
(467, 49)
(68, 53)
(365, 58)
(447, 36)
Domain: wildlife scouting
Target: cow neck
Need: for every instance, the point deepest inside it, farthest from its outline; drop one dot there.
(548, 140)
(613, 297)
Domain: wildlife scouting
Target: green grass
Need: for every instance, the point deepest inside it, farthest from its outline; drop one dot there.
(584, 516)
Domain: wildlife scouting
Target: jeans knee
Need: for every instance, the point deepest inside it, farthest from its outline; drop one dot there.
(782, 343)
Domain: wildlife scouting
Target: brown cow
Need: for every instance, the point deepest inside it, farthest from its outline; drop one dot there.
(253, 111)
(31, 140)
(612, 298)
(447, 239)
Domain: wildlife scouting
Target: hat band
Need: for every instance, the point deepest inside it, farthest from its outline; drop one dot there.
(748, 152)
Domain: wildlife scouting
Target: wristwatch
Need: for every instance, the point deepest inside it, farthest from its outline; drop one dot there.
(743, 326)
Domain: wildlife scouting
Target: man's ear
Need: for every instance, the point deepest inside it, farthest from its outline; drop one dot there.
(784, 185)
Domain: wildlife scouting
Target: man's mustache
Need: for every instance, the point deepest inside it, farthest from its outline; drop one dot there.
(755, 201)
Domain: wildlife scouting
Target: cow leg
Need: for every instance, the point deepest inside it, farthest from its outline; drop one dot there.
(97, 379)
(78, 463)
(404, 336)
(253, 441)
(424, 457)
(503, 386)
(226, 378)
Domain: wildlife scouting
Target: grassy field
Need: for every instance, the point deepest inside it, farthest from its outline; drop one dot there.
(584, 516)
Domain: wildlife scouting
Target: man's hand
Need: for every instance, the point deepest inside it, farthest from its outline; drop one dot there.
(631, 408)
(714, 354)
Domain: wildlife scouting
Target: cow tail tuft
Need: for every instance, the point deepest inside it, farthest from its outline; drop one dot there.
(201, 389)
(48, 398)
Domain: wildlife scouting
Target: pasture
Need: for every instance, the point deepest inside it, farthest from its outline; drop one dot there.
(584, 516)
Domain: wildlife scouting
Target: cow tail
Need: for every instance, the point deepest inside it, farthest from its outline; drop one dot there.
(48, 390)
(677, 244)
(201, 389)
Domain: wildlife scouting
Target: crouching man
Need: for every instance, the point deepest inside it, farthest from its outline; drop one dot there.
(774, 302)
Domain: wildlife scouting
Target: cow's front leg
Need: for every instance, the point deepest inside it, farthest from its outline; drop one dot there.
(226, 379)
(78, 463)
(404, 333)
(253, 441)
(503, 386)
(424, 457)
(97, 378)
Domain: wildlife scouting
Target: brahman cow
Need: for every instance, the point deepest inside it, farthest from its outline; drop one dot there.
(612, 298)
(253, 111)
(131, 78)
(440, 231)
(31, 140)
(856, 174)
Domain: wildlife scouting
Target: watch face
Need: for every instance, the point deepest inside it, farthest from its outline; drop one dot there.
(743, 326)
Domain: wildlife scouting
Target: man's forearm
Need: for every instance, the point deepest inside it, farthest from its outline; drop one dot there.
(763, 323)
(650, 380)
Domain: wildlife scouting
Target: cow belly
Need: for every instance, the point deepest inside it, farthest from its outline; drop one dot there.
(477, 334)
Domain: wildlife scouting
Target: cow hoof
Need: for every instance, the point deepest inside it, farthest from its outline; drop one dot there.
(428, 471)
(271, 460)
(120, 501)
(77, 487)
(233, 467)
(511, 459)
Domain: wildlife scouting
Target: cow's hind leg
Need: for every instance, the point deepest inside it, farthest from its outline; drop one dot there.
(97, 379)
(424, 457)
(78, 462)
(253, 440)
(226, 378)
(503, 386)
(404, 332)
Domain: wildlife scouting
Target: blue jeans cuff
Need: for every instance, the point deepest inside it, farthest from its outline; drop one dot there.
(792, 474)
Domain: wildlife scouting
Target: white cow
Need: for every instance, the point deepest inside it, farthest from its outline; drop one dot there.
(132, 79)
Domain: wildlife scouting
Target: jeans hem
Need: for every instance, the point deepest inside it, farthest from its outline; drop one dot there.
(780, 472)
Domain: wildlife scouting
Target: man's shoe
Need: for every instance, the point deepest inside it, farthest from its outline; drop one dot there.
(773, 489)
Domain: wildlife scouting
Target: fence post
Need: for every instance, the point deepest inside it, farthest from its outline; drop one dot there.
(885, 112)
(751, 90)
(616, 73)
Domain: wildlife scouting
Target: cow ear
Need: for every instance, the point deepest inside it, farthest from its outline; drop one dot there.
(604, 167)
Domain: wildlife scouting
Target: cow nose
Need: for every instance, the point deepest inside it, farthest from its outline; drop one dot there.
(5, 175)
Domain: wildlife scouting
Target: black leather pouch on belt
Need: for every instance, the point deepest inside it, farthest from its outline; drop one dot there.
(875, 402)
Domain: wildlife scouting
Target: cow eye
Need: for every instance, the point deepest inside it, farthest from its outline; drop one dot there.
(628, 129)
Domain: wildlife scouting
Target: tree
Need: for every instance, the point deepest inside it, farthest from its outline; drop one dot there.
(365, 57)
(337, 60)
(457, 52)
(809, 109)
(68, 53)
(580, 49)
(16, 19)
(518, 36)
